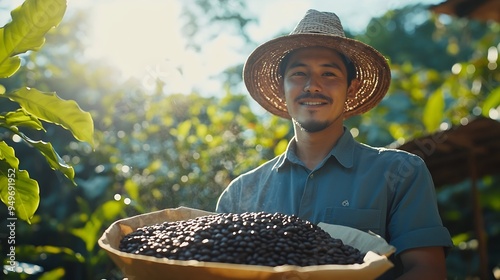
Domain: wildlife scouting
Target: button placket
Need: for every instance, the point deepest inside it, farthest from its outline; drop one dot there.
(306, 201)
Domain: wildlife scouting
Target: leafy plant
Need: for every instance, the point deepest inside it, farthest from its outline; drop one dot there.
(26, 32)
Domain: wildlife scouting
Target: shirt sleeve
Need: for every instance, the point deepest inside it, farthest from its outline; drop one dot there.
(414, 219)
(228, 200)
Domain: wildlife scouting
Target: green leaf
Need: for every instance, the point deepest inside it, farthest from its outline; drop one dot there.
(132, 189)
(54, 274)
(280, 147)
(8, 65)
(47, 106)
(281, 131)
(52, 157)
(396, 130)
(21, 118)
(201, 131)
(434, 111)
(17, 190)
(67, 253)
(184, 128)
(30, 22)
(7, 154)
(492, 101)
(89, 233)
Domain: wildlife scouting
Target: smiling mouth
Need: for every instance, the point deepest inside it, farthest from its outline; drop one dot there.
(313, 99)
(312, 103)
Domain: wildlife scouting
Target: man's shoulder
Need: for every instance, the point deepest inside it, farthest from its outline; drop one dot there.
(262, 171)
(385, 152)
(264, 167)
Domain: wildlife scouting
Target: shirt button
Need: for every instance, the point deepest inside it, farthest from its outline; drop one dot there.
(311, 175)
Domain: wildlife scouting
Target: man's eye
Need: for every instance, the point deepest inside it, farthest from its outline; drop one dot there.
(329, 74)
(298, 73)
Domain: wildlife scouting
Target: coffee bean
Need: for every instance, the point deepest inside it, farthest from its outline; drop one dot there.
(255, 238)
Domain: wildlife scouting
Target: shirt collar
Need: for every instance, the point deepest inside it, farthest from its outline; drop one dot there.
(288, 156)
(343, 151)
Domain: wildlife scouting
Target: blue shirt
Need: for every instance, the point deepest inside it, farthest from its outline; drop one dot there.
(387, 191)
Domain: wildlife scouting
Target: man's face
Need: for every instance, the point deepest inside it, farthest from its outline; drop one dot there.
(315, 85)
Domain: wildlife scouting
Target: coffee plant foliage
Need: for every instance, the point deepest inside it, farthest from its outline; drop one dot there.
(26, 33)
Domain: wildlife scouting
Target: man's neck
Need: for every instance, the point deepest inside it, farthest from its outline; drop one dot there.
(312, 148)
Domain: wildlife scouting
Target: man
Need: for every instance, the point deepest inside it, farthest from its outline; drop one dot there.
(317, 78)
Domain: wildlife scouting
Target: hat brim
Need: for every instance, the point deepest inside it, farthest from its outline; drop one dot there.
(262, 78)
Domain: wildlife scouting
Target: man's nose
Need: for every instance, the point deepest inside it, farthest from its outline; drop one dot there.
(312, 85)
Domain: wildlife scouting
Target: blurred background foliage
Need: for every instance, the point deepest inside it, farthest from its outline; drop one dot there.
(160, 149)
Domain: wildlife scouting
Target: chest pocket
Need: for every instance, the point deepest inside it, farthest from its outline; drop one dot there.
(362, 219)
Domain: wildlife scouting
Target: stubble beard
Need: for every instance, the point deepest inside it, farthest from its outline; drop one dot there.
(312, 126)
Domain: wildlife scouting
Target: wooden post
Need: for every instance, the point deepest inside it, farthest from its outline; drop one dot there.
(478, 220)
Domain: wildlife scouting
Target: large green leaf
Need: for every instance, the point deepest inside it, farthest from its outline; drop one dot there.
(48, 107)
(30, 22)
(18, 191)
(20, 118)
(52, 157)
(434, 111)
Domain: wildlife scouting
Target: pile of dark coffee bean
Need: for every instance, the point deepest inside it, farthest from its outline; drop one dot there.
(249, 238)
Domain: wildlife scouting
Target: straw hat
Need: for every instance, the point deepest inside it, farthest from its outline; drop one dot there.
(261, 70)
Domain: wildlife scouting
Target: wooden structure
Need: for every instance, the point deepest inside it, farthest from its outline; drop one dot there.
(463, 152)
(484, 10)
(477, 148)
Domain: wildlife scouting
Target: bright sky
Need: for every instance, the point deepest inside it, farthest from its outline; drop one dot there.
(142, 38)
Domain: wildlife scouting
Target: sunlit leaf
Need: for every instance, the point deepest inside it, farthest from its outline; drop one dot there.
(53, 159)
(54, 274)
(17, 189)
(201, 131)
(191, 139)
(434, 111)
(7, 154)
(266, 142)
(184, 128)
(463, 237)
(154, 166)
(30, 22)
(9, 65)
(21, 118)
(433, 75)
(417, 93)
(48, 107)
(492, 101)
(68, 253)
(89, 233)
(167, 120)
(280, 147)
(281, 131)
(212, 111)
(396, 130)
(132, 189)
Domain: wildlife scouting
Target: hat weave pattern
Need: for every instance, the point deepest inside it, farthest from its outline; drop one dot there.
(316, 29)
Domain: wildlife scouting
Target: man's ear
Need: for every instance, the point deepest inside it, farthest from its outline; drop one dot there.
(353, 89)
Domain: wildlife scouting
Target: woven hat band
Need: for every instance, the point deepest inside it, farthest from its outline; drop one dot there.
(320, 22)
